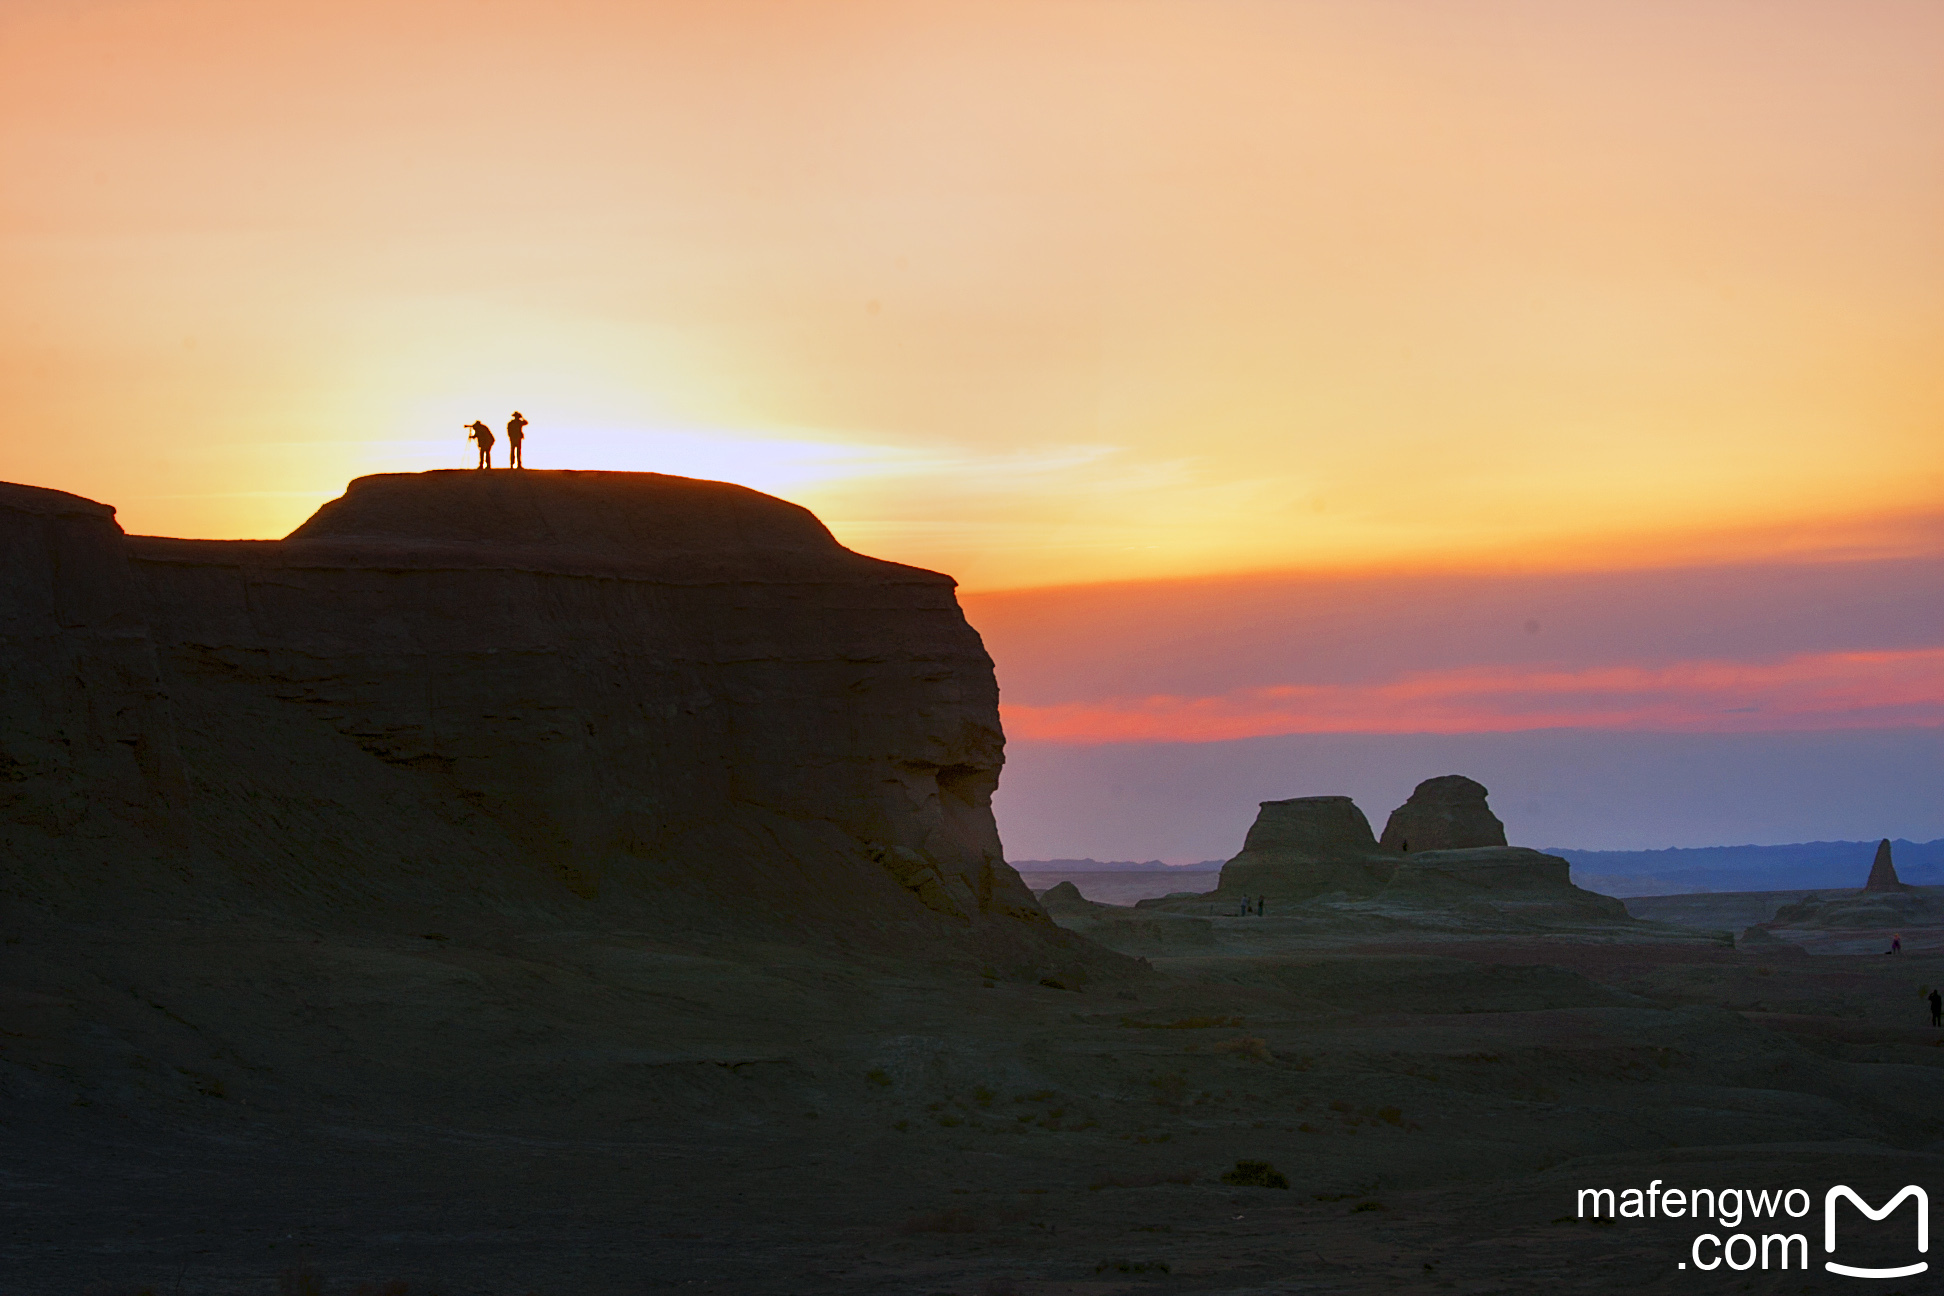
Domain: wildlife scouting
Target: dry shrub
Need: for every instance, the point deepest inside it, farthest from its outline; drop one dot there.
(1255, 1174)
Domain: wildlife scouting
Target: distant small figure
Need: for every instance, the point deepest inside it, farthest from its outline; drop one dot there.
(1937, 1008)
(1896, 944)
(1260, 902)
(477, 431)
(1403, 846)
(515, 435)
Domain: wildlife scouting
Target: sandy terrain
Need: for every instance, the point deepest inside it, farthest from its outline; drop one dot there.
(508, 1111)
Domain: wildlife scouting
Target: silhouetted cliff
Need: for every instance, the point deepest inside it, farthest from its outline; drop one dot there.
(679, 699)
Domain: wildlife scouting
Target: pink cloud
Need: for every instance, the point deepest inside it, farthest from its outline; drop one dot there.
(1829, 690)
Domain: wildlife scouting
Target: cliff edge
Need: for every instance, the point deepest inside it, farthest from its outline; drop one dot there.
(672, 702)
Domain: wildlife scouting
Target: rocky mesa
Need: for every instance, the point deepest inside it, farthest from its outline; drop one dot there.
(1310, 869)
(1443, 852)
(679, 699)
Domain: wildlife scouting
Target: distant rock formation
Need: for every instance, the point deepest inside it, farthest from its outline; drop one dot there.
(1883, 874)
(1025, 866)
(1318, 827)
(1884, 902)
(535, 688)
(1445, 813)
(1304, 847)
(1065, 901)
(1138, 931)
(1308, 854)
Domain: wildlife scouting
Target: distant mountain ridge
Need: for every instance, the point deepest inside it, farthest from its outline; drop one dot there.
(1111, 866)
(1797, 866)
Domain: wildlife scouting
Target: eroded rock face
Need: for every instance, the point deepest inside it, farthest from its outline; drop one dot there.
(87, 744)
(1320, 827)
(548, 687)
(1883, 873)
(1303, 847)
(1446, 813)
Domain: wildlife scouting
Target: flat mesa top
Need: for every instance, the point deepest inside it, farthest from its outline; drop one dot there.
(616, 513)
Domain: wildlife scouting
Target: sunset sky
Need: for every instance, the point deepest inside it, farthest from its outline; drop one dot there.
(1268, 373)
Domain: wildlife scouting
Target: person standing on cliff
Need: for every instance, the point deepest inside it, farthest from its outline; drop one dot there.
(478, 431)
(515, 436)
(1937, 1007)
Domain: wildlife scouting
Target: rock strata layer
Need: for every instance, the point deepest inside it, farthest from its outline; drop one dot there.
(532, 689)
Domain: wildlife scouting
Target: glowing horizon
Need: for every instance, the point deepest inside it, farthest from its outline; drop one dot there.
(1852, 690)
(1034, 295)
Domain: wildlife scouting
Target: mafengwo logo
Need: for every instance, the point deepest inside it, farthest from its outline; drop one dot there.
(1743, 1250)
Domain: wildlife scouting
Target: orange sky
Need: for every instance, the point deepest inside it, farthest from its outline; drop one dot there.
(1035, 294)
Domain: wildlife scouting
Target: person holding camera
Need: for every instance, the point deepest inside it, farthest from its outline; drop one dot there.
(478, 431)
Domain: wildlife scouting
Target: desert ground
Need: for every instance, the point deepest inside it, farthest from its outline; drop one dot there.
(507, 1111)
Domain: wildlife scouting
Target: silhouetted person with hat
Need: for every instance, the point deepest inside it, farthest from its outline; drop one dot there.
(515, 435)
(479, 432)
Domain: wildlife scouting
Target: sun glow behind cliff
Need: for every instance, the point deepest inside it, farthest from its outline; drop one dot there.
(1031, 294)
